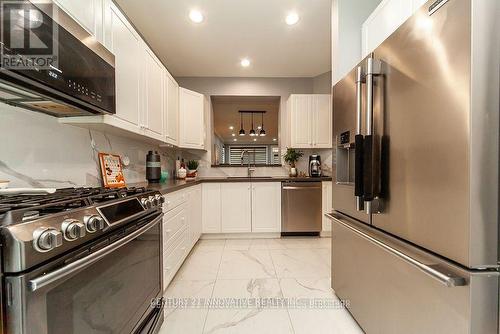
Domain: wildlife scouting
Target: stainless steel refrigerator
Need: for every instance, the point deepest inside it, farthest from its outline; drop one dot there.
(416, 187)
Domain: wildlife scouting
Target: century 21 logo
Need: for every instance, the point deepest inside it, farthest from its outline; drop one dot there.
(29, 35)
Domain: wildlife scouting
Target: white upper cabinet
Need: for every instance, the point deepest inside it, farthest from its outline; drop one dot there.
(311, 120)
(300, 109)
(171, 110)
(384, 20)
(153, 113)
(87, 13)
(236, 207)
(266, 207)
(322, 129)
(125, 43)
(192, 123)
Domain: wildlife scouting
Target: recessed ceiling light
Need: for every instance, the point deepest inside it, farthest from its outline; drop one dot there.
(245, 62)
(233, 134)
(235, 139)
(274, 139)
(196, 16)
(292, 19)
(259, 127)
(255, 139)
(231, 127)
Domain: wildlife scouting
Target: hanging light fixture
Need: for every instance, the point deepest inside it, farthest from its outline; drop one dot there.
(242, 131)
(262, 131)
(252, 131)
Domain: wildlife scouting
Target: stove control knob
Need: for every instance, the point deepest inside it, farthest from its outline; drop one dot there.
(159, 199)
(73, 229)
(146, 202)
(46, 239)
(93, 223)
(153, 201)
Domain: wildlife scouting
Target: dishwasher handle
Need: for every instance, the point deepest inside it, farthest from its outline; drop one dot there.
(300, 188)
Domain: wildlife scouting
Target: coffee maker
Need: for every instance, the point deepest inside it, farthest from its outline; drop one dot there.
(314, 165)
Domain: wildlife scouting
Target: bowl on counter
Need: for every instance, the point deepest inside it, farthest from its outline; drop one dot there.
(4, 184)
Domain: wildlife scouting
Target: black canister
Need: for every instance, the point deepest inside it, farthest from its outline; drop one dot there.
(153, 167)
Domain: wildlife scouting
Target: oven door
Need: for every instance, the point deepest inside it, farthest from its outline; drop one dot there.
(109, 286)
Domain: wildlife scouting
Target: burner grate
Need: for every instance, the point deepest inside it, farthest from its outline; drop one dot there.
(34, 206)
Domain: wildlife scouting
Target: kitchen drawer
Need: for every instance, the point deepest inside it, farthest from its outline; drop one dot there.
(173, 221)
(173, 257)
(174, 199)
(412, 288)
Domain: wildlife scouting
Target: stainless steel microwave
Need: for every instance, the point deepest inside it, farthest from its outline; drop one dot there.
(78, 80)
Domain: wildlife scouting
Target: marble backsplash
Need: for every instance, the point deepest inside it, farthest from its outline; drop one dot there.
(37, 151)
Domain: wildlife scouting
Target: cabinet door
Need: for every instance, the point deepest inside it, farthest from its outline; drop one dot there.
(153, 84)
(211, 208)
(384, 20)
(191, 111)
(125, 44)
(322, 125)
(301, 120)
(194, 208)
(266, 207)
(327, 206)
(87, 13)
(236, 208)
(172, 110)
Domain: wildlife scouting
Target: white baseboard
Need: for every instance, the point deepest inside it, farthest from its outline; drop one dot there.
(267, 235)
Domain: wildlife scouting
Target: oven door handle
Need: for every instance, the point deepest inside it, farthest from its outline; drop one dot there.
(58, 274)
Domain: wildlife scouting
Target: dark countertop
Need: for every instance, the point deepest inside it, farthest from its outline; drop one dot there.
(174, 185)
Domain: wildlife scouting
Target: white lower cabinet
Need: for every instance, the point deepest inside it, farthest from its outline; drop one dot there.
(266, 207)
(241, 207)
(211, 208)
(181, 228)
(236, 207)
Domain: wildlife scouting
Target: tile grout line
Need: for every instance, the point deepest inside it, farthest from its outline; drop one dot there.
(281, 290)
(213, 288)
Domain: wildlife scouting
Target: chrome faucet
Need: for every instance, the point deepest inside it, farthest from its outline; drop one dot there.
(249, 169)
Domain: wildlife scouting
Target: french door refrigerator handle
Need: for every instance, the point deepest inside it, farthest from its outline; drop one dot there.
(448, 279)
(358, 142)
(80, 264)
(369, 174)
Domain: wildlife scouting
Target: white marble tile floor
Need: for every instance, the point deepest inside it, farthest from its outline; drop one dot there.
(256, 286)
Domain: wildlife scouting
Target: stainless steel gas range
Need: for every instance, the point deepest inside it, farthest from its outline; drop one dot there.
(82, 260)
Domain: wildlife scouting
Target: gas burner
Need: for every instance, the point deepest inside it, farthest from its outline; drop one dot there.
(23, 207)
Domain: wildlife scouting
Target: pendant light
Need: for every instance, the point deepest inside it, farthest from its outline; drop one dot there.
(262, 131)
(252, 131)
(242, 131)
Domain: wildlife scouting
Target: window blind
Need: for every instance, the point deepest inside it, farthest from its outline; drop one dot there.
(256, 154)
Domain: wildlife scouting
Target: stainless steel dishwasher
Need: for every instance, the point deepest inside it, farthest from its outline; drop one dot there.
(301, 208)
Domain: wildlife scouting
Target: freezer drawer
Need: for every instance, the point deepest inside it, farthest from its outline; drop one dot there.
(393, 287)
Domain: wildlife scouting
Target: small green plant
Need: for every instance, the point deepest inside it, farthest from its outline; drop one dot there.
(292, 156)
(192, 165)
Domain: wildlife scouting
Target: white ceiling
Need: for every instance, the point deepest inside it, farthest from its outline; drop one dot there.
(235, 29)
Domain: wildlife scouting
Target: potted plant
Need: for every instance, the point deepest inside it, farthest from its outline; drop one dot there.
(291, 157)
(192, 166)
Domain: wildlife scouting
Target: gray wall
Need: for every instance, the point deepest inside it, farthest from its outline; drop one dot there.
(347, 18)
(322, 83)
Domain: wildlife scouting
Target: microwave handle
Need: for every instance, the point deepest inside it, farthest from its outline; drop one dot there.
(80, 264)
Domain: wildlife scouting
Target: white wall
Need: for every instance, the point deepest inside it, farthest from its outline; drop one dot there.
(37, 151)
(347, 19)
(282, 87)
